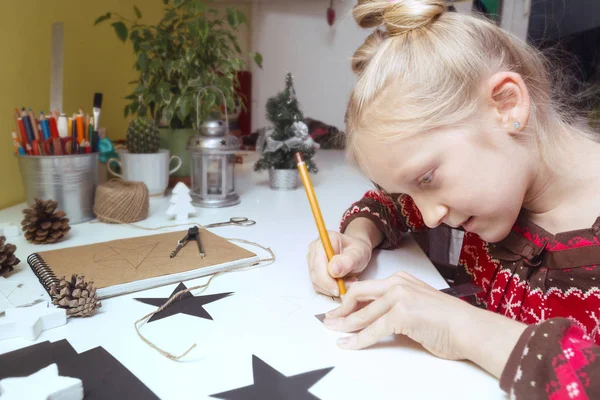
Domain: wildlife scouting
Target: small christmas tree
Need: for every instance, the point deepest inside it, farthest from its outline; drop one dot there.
(288, 135)
(181, 203)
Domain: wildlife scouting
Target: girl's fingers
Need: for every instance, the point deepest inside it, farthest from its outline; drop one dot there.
(360, 319)
(359, 291)
(319, 289)
(381, 328)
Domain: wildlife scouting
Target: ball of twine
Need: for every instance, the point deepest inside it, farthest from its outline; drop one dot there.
(121, 202)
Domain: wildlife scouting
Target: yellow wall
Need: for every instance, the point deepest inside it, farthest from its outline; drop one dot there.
(94, 61)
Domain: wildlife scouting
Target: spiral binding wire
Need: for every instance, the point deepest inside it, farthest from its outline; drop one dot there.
(43, 271)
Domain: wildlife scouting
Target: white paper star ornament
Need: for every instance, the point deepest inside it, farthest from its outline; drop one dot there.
(45, 384)
(29, 322)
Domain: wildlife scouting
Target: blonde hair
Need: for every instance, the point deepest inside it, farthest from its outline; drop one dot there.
(422, 68)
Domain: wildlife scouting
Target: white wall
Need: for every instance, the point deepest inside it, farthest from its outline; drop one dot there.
(293, 36)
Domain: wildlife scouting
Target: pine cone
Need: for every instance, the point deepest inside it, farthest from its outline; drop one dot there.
(76, 296)
(43, 224)
(7, 256)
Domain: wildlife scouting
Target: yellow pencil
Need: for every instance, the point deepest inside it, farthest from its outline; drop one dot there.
(314, 205)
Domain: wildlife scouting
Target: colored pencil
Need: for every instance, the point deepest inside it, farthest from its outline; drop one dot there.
(21, 126)
(45, 128)
(80, 129)
(53, 127)
(36, 132)
(314, 205)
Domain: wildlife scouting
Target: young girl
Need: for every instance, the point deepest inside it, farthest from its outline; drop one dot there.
(455, 122)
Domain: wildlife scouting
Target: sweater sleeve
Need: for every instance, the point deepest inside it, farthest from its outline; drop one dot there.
(553, 360)
(393, 214)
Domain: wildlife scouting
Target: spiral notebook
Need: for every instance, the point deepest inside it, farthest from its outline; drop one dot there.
(129, 265)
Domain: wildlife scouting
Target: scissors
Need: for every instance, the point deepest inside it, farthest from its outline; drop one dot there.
(239, 221)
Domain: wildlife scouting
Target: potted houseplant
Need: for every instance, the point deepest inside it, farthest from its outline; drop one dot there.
(191, 47)
(288, 135)
(144, 160)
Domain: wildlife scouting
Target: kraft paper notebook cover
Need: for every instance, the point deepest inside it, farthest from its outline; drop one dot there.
(130, 265)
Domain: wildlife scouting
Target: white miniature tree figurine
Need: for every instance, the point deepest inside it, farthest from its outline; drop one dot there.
(181, 203)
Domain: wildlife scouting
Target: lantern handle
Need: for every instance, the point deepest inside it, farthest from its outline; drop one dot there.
(197, 108)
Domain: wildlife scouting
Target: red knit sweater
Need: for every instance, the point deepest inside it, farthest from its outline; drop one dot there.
(550, 282)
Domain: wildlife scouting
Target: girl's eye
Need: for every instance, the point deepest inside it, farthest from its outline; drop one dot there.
(426, 179)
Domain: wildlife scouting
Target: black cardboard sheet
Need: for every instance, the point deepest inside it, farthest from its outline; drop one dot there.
(102, 375)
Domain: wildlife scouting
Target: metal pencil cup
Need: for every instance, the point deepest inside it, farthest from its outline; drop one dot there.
(70, 180)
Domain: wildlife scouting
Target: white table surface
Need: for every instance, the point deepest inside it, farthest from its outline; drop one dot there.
(271, 314)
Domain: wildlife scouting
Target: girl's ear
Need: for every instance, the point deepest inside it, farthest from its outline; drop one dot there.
(508, 96)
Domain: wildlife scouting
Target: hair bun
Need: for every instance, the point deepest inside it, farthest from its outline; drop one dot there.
(398, 16)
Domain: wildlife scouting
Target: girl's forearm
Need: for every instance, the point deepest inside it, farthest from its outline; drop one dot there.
(365, 229)
(489, 339)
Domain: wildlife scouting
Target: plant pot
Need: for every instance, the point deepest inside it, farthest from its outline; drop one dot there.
(283, 179)
(69, 180)
(150, 168)
(175, 140)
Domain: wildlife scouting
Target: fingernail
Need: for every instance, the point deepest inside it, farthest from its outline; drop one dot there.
(343, 342)
(336, 269)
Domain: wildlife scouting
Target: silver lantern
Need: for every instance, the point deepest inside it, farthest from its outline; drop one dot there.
(212, 166)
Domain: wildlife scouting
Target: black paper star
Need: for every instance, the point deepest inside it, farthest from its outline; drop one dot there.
(223, 142)
(270, 384)
(187, 303)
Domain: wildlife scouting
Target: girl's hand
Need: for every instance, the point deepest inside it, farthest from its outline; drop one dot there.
(352, 254)
(446, 326)
(401, 304)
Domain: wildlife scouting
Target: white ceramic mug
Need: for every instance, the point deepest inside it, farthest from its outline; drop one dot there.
(150, 168)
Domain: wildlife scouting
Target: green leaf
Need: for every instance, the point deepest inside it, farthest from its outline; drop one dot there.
(185, 104)
(168, 67)
(168, 114)
(102, 18)
(241, 17)
(190, 54)
(213, 11)
(133, 107)
(231, 20)
(140, 89)
(178, 3)
(155, 65)
(137, 11)
(142, 61)
(165, 2)
(258, 59)
(210, 100)
(199, 7)
(121, 30)
(201, 24)
(164, 92)
(126, 111)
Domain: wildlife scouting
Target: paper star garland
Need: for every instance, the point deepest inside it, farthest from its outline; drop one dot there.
(187, 303)
(273, 385)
